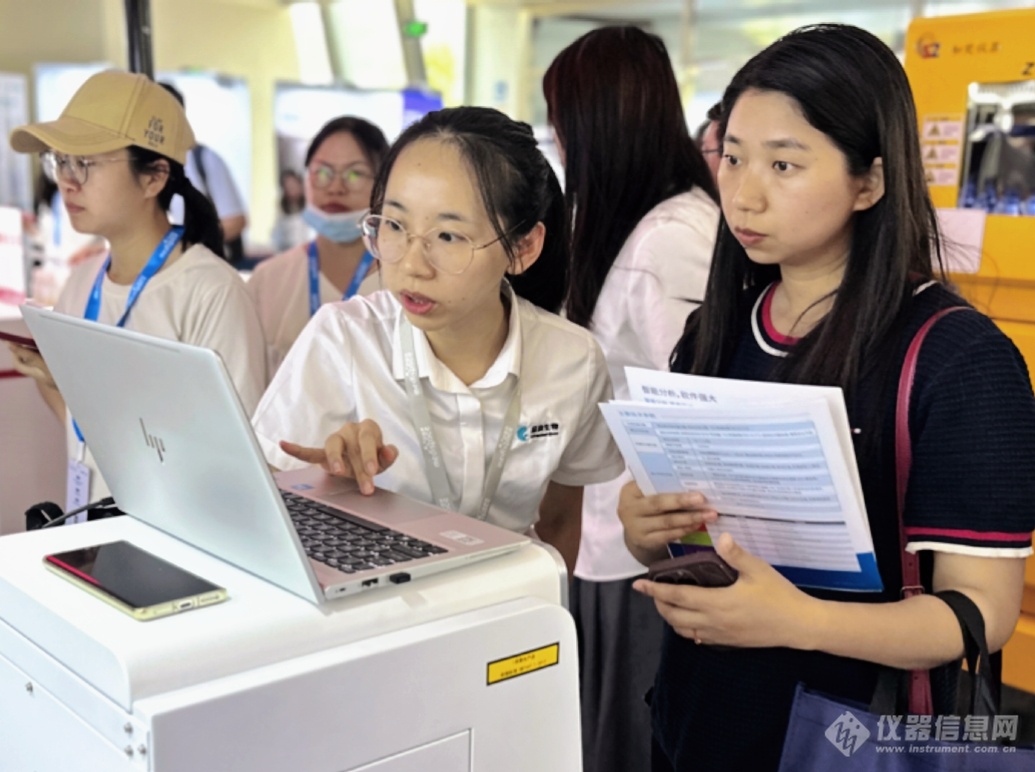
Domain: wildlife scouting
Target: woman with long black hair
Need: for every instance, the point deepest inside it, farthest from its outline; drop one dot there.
(827, 264)
(644, 213)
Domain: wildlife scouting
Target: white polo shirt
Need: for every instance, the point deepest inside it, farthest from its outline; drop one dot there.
(217, 183)
(347, 365)
(280, 288)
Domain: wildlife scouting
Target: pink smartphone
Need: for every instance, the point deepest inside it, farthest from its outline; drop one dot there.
(704, 568)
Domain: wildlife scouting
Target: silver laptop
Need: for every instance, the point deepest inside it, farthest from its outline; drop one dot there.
(168, 432)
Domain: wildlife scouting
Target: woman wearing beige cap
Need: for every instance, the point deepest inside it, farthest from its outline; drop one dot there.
(117, 153)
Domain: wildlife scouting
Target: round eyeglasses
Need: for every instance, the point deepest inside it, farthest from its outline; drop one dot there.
(446, 250)
(73, 168)
(354, 178)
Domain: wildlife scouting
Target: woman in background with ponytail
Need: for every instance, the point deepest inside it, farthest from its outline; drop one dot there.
(117, 155)
(340, 165)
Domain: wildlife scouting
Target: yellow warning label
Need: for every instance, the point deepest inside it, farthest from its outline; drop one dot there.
(521, 664)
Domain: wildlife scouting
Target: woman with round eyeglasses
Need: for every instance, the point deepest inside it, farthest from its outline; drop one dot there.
(288, 288)
(116, 154)
(451, 385)
(446, 249)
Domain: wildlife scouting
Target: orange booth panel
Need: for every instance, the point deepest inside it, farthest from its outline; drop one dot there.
(973, 80)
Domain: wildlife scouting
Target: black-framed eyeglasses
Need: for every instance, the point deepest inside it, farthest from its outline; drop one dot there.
(448, 250)
(352, 177)
(74, 168)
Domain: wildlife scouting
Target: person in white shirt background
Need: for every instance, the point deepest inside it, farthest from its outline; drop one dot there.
(645, 215)
(449, 386)
(208, 172)
(341, 163)
(117, 154)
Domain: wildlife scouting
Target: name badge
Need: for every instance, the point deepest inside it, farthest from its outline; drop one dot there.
(77, 492)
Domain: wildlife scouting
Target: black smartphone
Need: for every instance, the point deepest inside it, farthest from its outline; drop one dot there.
(133, 580)
(704, 568)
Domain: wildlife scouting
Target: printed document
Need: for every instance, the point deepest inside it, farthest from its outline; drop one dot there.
(775, 460)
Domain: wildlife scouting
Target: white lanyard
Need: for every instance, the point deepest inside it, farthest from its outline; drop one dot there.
(434, 467)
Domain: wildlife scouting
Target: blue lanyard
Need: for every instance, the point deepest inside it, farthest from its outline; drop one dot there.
(314, 277)
(57, 207)
(153, 266)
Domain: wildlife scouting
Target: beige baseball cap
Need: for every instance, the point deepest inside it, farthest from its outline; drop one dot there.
(112, 110)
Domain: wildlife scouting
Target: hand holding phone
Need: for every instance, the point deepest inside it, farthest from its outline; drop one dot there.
(27, 359)
(133, 580)
(18, 340)
(704, 568)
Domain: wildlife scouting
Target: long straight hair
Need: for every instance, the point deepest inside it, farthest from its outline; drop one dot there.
(850, 86)
(613, 102)
(516, 184)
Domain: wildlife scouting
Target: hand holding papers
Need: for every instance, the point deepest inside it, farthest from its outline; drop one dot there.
(776, 460)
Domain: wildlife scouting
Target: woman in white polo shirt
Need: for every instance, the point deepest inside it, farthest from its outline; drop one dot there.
(288, 288)
(417, 384)
(117, 153)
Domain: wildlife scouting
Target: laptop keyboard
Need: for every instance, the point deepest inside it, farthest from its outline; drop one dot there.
(347, 542)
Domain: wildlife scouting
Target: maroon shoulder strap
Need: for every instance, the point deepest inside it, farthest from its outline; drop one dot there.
(920, 680)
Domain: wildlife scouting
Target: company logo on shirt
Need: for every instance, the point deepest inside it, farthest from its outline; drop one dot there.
(537, 431)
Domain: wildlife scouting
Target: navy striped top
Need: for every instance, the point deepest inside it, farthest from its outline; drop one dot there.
(971, 490)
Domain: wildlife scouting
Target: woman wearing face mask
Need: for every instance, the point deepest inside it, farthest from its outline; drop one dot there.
(341, 163)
